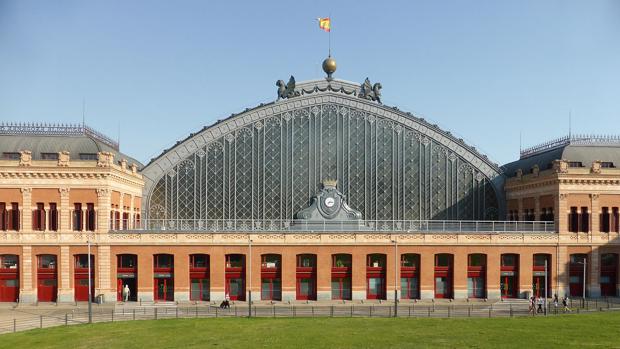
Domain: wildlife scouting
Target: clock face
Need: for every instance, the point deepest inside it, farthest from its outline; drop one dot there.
(329, 202)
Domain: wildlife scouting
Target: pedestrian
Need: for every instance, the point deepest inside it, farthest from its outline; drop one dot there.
(555, 302)
(565, 304)
(126, 293)
(532, 306)
(539, 302)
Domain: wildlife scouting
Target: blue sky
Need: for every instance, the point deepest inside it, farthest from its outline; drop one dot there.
(484, 70)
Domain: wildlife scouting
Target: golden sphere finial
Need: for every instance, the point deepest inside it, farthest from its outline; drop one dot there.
(329, 67)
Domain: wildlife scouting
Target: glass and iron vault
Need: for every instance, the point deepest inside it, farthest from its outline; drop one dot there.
(266, 164)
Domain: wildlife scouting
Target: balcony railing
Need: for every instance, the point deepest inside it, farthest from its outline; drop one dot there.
(292, 226)
(580, 139)
(44, 129)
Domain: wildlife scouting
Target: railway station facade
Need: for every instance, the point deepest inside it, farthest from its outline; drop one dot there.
(323, 194)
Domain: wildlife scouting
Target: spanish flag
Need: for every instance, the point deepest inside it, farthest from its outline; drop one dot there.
(325, 24)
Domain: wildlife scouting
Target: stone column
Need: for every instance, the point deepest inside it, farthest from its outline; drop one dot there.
(324, 275)
(561, 213)
(65, 292)
(104, 274)
(289, 275)
(562, 271)
(427, 275)
(103, 210)
(145, 277)
(131, 218)
(121, 210)
(594, 216)
(526, 261)
(181, 277)
(64, 210)
(595, 273)
(459, 275)
(521, 214)
(537, 208)
(26, 222)
(493, 269)
(217, 268)
(358, 275)
(27, 293)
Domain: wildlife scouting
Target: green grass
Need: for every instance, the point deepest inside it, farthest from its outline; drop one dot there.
(600, 330)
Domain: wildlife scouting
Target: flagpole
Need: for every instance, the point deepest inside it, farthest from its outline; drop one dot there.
(329, 34)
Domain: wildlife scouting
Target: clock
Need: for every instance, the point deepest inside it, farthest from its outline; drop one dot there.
(329, 202)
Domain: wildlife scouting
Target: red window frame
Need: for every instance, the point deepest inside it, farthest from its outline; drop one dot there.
(477, 271)
(341, 272)
(376, 269)
(235, 272)
(126, 264)
(200, 272)
(9, 274)
(443, 271)
(509, 274)
(80, 273)
(306, 272)
(410, 272)
(47, 279)
(161, 268)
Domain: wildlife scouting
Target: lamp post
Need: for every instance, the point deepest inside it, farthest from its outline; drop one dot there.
(250, 277)
(395, 277)
(546, 284)
(584, 279)
(90, 295)
(583, 296)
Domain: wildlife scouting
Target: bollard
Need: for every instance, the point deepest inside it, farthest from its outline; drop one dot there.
(14, 325)
(312, 311)
(489, 312)
(449, 311)
(112, 315)
(66, 319)
(429, 311)
(215, 312)
(409, 311)
(196, 310)
(469, 311)
(351, 310)
(155, 314)
(511, 310)
(177, 312)
(235, 310)
(40, 321)
(332, 311)
(274, 311)
(134, 313)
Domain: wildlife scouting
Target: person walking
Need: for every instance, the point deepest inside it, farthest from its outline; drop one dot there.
(555, 302)
(532, 306)
(565, 304)
(126, 293)
(539, 302)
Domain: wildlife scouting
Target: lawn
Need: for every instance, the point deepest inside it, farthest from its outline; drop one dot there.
(601, 330)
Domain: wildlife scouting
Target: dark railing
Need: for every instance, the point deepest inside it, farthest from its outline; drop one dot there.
(572, 139)
(44, 129)
(425, 226)
(348, 309)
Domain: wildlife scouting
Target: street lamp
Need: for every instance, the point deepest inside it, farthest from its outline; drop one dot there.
(90, 295)
(395, 277)
(250, 277)
(584, 279)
